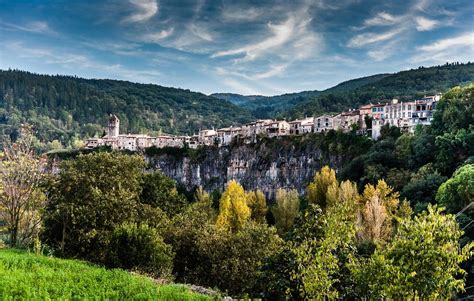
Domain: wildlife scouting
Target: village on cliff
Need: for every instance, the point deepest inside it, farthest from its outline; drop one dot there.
(366, 120)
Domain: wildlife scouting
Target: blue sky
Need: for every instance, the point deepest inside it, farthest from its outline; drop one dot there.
(248, 47)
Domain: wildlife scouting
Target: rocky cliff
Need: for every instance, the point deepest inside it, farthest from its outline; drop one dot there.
(288, 162)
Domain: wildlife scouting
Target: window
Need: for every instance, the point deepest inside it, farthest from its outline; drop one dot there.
(409, 107)
(409, 114)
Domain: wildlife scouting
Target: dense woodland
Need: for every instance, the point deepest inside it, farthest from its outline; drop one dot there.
(394, 223)
(66, 108)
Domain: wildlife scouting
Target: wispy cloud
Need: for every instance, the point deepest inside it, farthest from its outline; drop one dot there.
(425, 24)
(143, 11)
(238, 14)
(157, 37)
(364, 39)
(458, 48)
(444, 44)
(294, 33)
(382, 19)
(41, 27)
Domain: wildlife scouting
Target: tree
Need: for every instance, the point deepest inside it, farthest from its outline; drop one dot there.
(160, 191)
(420, 263)
(233, 209)
(422, 186)
(89, 198)
(21, 197)
(183, 234)
(139, 247)
(286, 209)
(231, 261)
(320, 259)
(317, 189)
(258, 206)
(458, 191)
(380, 206)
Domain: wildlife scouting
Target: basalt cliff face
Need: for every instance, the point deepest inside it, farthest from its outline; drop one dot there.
(266, 166)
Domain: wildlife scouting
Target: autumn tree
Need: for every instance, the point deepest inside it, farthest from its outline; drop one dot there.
(21, 198)
(422, 262)
(233, 209)
(258, 205)
(286, 209)
(317, 189)
(379, 206)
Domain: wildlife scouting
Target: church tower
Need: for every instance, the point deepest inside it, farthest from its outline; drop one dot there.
(113, 126)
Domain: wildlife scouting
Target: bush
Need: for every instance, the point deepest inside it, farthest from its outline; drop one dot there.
(139, 247)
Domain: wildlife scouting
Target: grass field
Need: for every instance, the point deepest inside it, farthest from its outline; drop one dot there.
(25, 276)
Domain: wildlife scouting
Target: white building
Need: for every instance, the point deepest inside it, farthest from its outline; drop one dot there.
(323, 123)
(302, 126)
(278, 128)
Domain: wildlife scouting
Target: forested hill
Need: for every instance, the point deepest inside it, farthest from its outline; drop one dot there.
(352, 93)
(60, 107)
(403, 85)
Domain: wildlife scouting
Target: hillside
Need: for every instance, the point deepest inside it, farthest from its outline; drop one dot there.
(352, 93)
(267, 106)
(403, 85)
(25, 276)
(61, 106)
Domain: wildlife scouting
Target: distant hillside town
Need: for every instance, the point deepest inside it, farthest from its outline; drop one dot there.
(366, 120)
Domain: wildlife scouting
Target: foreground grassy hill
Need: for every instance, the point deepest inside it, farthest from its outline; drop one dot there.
(25, 276)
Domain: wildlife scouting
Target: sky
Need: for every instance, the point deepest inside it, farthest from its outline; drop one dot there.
(246, 47)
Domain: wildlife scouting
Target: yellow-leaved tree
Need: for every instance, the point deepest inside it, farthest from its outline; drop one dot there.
(379, 207)
(233, 209)
(258, 206)
(317, 189)
(286, 209)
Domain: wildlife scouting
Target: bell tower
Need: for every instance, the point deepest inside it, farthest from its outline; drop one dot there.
(113, 126)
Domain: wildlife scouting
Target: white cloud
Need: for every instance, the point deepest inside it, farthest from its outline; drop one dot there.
(201, 31)
(460, 48)
(293, 34)
(238, 87)
(274, 70)
(157, 37)
(425, 24)
(382, 19)
(144, 10)
(237, 14)
(444, 44)
(364, 39)
(34, 27)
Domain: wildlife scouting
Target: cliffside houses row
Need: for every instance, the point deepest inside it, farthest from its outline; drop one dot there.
(367, 120)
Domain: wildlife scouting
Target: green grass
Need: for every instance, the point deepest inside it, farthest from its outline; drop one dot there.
(26, 276)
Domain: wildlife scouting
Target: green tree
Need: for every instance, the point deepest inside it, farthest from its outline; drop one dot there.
(319, 260)
(160, 191)
(317, 189)
(420, 263)
(139, 247)
(88, 199)
(458, 191)
(258, 206)
(233, 209)
(286, 209)
(232, 260)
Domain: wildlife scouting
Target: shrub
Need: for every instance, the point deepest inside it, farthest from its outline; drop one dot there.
(139, 247)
